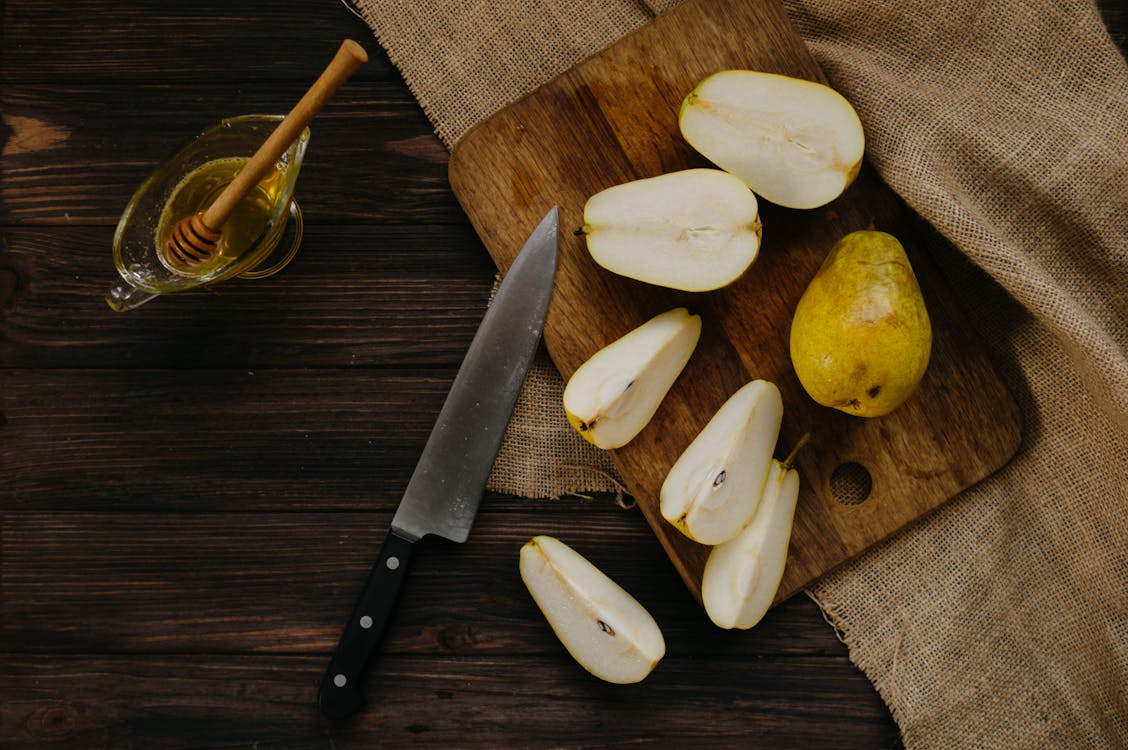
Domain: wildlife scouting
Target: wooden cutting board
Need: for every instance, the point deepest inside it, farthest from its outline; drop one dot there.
(612, 119)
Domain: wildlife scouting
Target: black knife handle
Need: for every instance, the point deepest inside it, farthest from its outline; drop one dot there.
(340, 695)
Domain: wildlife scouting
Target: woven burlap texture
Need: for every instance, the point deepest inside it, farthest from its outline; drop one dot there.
(1000, 621)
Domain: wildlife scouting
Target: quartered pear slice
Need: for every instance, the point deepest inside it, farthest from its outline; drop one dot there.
(796, 143)
(603, 627)
(714, 487)
(612, 396)
(743, 575)
(695, 230)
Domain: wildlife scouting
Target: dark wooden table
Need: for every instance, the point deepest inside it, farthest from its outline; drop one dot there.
(191, 494)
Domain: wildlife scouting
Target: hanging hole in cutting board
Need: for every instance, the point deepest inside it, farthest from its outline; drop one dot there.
(851, 483)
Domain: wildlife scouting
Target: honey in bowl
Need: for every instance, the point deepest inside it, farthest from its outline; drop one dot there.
(243, 229)
(251, 146)
(188, 182)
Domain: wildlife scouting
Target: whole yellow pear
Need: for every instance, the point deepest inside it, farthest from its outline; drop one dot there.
(861, 337)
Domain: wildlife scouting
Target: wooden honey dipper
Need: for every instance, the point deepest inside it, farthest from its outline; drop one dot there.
(195, 239)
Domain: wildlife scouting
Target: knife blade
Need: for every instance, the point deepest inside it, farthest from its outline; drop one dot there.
(443, 494)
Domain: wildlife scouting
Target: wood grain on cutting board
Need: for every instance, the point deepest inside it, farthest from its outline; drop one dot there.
(613, 119)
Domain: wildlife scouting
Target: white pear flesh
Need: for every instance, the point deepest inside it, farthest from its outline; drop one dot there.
(694, 230)
(612, 396)
(795, 143)
(603, 627)
(714, 487)
(742, 576)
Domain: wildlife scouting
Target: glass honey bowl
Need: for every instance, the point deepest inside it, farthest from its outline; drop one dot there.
(187, 183)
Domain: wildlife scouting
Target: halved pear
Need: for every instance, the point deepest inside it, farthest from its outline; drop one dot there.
(695, 230)
(715, 485)
(603, 627)
(614, 394)
(743, 575)
(796, 143)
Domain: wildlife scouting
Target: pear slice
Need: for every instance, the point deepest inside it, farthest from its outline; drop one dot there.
(603, 627)
(743, 575)
(714, 487)
(614, 394)
(796, 143)
(694, 230)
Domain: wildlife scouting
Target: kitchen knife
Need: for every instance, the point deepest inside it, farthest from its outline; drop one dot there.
(446, 488)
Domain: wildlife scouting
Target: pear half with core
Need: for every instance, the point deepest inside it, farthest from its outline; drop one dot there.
(603, 627)
(743, 575)
(714, 487)
(796, 143)
(694, 230)
(613, 395)
(861, 337)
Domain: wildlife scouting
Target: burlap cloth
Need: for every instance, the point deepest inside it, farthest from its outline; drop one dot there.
(1000, 621)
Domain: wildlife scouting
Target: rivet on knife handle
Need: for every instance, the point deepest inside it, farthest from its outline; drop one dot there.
(340, 694)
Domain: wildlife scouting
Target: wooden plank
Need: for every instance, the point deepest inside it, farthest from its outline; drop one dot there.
(212, 439)
(613, 118)
(208, 701)
(372, 157)
(177, 41)
(392, 295)
(284, 583)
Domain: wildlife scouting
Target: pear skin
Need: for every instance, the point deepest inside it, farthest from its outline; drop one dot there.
(861, 336)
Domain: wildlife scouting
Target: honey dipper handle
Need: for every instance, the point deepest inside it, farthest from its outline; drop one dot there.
(348, 58)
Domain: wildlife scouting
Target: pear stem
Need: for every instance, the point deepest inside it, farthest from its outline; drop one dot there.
(787, 462)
